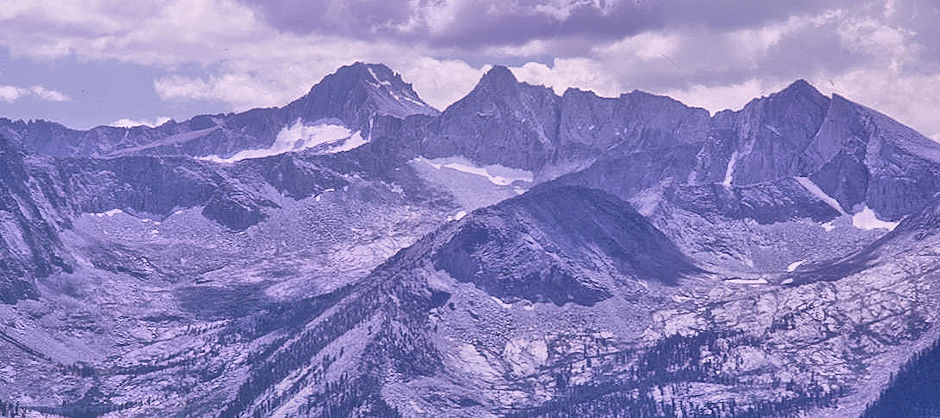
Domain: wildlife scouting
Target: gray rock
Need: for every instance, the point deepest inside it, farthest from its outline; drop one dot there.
(537, 246)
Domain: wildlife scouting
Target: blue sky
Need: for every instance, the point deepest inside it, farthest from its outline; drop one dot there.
(85, 63)
(95, 92)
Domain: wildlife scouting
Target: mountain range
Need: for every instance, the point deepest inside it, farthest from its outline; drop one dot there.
(358, 252)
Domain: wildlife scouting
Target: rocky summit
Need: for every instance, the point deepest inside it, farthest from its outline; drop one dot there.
(358, 252)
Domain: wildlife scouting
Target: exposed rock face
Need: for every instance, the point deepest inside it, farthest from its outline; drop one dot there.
(356, 93)
(846, 149)
(852, 153)
(860, 154)
(29, 243)
(519, 125)
(849, 151)
(769, 134)
(549, 244)
(292, 176)
(765, 203)
(637, 121)
(501, 121)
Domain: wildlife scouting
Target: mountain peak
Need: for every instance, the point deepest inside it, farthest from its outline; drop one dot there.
(799, 88)
(498, 77)
(360, 72)
(362, 89)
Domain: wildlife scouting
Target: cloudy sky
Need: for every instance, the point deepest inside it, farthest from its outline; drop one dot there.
(86, 63)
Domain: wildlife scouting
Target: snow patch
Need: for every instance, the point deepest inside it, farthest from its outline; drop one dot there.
(500, 302)
(351, 143)
(730, 170)
(417, 102)
(109, 213)
(828, 226)
(391, 91)
(867, 219)
(819, 193)
(130, 123)
(298, 137)
(794, 265)
(460, 215)
(496, 174)
(325, 191)
(746, 281)
(376, 77)
(647, 201)
(772, 129)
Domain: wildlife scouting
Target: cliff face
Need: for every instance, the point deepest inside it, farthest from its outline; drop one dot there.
(29, 244)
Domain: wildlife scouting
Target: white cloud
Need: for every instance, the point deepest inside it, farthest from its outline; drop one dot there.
(130, 123)
(646, 46)
(894, 93)
(240, 91)
(561, 9)
(48, 94)
(245, 62)
(722, 97)
(249, 63)
(441, 82)
(11, 94)
(570, 72)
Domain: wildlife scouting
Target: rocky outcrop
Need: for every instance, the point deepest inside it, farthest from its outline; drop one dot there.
(768, 136)
(29, 243)
(505, 122)
(591, 126)
(536, 247)
(357, 93)
(866, 158)
(765, 203)
(501, 121)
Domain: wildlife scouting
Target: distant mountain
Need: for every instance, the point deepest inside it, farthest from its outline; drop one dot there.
(845, 149)
(848, 151)
(547, 246)
(502, 121)
(351, 97)
(521, 253)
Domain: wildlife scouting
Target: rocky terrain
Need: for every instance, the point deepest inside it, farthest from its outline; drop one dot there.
(360, 253)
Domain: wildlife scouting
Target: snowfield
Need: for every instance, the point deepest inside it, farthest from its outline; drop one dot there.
(867, 219)
(300, 136)
(819, 193)
(496, 174)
